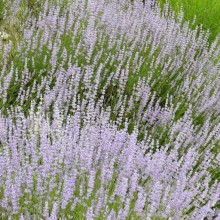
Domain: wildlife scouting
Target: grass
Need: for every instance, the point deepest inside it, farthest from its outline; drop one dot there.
(207, 14)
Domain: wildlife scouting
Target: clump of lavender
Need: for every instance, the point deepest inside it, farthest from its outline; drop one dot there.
(109, 110)
(64, 171)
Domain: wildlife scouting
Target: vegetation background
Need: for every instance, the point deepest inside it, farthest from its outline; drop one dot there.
(207, 13)
(202, 13)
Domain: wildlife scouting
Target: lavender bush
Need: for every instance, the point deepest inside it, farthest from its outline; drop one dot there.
(109, 110)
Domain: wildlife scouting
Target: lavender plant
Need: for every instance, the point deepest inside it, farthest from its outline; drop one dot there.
(109, 110)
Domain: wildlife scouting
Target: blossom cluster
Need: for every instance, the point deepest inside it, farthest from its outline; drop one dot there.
(4, 35)
(109, 110)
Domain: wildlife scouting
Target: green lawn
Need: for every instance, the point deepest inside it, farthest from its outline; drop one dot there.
(207, 13)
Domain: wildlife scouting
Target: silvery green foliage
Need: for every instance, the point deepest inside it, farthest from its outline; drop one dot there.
(72, 75)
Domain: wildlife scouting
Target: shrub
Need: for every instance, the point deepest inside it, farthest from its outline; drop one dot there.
(109, 109)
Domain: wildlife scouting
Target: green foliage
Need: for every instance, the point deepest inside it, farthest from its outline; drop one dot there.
(2, 9)
(207, 13)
